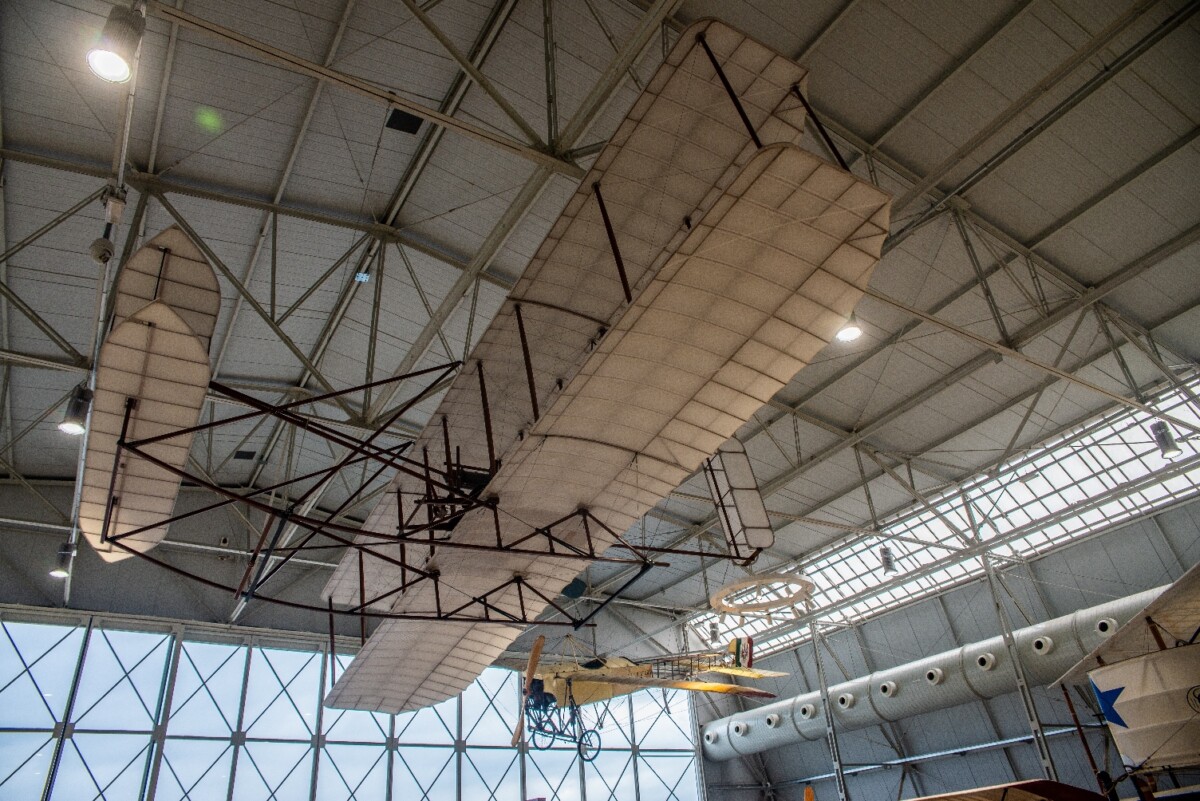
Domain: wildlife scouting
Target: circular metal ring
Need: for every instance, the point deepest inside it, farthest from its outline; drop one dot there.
(801, 592)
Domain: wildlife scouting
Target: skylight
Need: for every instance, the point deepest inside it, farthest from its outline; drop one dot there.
(1100, 473)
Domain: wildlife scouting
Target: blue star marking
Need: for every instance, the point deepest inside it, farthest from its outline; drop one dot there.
(1107, 699)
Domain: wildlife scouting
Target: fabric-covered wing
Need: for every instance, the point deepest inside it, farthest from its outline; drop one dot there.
(155, 358)
(734, 491)
(680, 145)
(170, 268)
(727, 306)
(1177, 614)
(760, 285)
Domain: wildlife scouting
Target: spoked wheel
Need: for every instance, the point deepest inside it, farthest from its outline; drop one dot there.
(540, 739)
(589, 745)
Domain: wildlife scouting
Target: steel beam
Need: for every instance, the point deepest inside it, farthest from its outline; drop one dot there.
(1049, 771)
(1089, 299)
(159, 185)
(468, 66)
(835, 753)
(1080, 57)
(1125, 179)
(827, 29)
(269, 218)
(425, 150)
(850, 441)
(294, 63)
(216, 261)
(969, 54)
(591, 106)
(1125, 59)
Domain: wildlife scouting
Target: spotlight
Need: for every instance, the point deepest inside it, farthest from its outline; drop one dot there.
(850, 331)
(74, 420)
(887, 561)
(62, 568)
(112, 57)
(1164, 438)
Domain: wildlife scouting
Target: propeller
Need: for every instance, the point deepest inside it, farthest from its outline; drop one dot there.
(530, 671)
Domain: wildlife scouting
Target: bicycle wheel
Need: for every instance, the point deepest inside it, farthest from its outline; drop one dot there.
(540, 739)
(589, 745)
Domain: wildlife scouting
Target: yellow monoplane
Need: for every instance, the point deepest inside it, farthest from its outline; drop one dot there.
(555, 689)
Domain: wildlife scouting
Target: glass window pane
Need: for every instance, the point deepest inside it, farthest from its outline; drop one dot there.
(101, 765)
(424, 773)
(208, 689)
(37, 664)
(352, 772)
(24, 758)
(273, 770)
(121, 681)
(282, 694)
(194, 770)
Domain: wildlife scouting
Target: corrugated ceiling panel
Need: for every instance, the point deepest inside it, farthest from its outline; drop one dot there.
(51, 100)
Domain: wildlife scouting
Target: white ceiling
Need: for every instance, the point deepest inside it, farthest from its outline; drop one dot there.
(933, 90)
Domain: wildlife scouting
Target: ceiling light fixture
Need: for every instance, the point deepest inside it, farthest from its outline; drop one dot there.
(363, 277)
(851, 330)
(62, 568)
(111, 59)
(887, 561)
(74, 420)
(1164, 438)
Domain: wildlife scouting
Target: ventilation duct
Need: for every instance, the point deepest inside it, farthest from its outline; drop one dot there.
(973, 672)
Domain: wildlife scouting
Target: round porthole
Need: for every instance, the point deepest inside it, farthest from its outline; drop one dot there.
(711, 737)
(887, 689)
(1043, 645)
(934, 675)
(1106, 626)
(773, 720)
(846, 700)
(807, 711)
(741, 728)
(985, 661)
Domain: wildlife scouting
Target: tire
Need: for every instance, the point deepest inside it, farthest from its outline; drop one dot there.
(589, 745)
(540, 739)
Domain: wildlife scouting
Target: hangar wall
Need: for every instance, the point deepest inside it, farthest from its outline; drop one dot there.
(1112, 564)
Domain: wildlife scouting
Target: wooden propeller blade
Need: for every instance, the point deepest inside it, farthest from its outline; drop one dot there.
(535, 656)
(530, 671)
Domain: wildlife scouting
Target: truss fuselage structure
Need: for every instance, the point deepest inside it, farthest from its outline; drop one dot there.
(447, 491)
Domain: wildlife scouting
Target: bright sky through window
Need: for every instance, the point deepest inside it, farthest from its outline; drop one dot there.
(1095, 475)
(243, 721)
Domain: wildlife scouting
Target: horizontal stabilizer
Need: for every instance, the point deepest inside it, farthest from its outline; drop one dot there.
(748, 673)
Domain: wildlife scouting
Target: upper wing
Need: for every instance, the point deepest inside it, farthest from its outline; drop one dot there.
(155, 358)
(726, 313)
(1176, 615)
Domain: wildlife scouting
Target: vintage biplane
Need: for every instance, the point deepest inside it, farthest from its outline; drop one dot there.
(1146, 681)
(703, 261)
(705, 258)
(556, 687)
